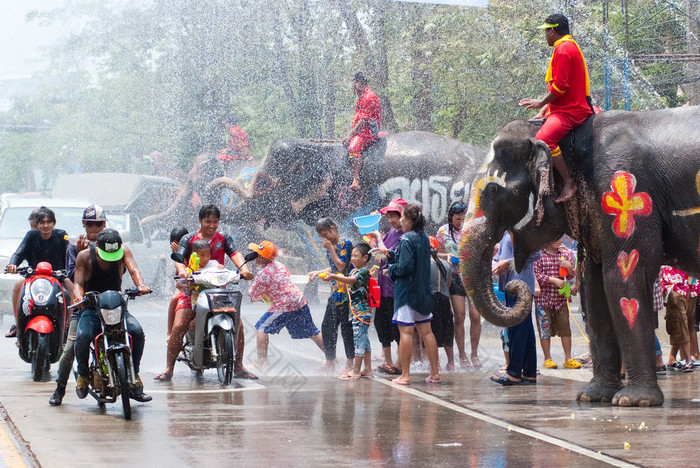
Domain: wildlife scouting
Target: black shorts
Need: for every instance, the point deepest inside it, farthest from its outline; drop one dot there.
(443, 324)
(386, 331)
(456, 285)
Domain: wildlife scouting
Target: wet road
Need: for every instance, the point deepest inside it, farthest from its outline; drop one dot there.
(295, 416)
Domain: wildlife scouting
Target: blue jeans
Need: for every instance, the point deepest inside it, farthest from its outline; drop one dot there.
(90, 326)
(523, 351)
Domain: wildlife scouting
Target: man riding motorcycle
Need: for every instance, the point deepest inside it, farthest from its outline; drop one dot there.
(94, 221)
(100, 268)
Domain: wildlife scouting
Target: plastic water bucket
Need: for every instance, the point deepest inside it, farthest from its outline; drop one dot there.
(499, 294)
(367, 224)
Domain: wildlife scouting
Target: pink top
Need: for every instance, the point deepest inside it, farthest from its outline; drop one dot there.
(273, 280)
(673, 279)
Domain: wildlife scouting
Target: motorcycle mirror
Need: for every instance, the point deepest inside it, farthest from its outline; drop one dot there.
(250, 256)
(177, 257)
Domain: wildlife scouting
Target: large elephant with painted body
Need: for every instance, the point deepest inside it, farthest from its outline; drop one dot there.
(305, 180)
(637, 207)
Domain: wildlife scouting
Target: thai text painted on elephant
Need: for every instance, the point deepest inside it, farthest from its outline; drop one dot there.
(434, 194)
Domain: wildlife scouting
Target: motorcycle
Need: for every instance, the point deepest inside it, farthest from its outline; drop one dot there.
(111, 367)
(41, 317)
(212, 343)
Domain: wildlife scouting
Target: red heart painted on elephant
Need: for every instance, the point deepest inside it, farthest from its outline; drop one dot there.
(629, 309)
(627, 263)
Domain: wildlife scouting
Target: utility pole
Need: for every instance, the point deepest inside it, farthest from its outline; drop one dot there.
(692, 89)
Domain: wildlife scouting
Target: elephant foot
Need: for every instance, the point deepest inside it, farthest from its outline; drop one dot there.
(597, 392)
(635, 395)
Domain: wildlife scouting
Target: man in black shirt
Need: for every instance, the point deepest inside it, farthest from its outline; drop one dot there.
(45, 244)
(100, 268)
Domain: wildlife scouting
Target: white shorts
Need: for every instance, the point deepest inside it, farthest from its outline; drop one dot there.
(408, 317)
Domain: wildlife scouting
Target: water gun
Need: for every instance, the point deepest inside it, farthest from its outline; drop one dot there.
(193, 264)
(267, 300)
(565, 291)
(370, 240)
(322, 275)
(563, 272)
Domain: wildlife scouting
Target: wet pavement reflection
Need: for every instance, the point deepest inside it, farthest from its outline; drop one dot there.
(294, 416)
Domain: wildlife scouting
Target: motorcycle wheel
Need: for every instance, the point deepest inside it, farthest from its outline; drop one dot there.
(224, 348)
(40, 355)
(123, 384)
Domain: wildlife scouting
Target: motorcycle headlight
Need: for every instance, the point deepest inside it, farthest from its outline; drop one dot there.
(40, 290)
(112, 316)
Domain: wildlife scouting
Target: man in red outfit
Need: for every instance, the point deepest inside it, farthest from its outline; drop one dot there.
(365, 125)
(567, 103)
(238, 148)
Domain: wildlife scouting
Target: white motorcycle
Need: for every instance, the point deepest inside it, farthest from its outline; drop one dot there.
(212, 343)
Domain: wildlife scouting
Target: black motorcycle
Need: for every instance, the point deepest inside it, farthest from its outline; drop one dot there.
(111, 367)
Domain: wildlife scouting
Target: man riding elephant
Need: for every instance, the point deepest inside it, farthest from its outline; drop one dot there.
(567, 103)
(365, 125)
(636, 207)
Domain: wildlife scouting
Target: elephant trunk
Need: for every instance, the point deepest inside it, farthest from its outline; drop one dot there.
(476, 252)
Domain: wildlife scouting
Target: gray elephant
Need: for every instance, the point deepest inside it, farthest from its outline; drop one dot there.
(637, 206)
(306, 179)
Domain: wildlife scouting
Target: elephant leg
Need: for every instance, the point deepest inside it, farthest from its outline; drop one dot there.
(605, 350)
(631, 307)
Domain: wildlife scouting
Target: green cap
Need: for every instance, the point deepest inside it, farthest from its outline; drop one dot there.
(109, 245)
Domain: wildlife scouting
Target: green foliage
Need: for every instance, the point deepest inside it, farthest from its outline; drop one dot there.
(164, 74)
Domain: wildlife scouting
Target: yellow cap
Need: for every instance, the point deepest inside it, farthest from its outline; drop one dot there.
(548, 25)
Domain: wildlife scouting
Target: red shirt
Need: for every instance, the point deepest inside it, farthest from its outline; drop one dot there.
(237, 142)
(568, 80)
(220, 246)
(368, 108)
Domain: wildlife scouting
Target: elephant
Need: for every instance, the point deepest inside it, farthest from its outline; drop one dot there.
(304, 180)
(637, 207)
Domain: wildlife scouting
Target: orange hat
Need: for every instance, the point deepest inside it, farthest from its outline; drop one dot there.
(265, 249)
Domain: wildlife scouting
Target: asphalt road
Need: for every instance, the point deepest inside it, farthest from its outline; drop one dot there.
(297, 416)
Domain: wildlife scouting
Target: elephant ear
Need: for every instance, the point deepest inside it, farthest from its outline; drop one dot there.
(540, 174)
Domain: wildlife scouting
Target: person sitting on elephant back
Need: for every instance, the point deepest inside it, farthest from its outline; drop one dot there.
(365, 125)
(238, 148)
(567, 103)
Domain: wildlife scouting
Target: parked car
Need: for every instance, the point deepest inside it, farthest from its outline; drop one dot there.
(127, 198)
(14, 224)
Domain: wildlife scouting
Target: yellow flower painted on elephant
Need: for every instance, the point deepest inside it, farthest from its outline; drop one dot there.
(624, 203)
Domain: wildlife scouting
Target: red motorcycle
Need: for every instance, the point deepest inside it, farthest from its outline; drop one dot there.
(41, 317)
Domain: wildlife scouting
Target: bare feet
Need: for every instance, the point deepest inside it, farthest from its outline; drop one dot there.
(328, 366)
(567, 191)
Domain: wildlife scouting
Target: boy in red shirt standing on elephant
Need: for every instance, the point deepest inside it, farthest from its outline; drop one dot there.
(567, 103)
(365, 126)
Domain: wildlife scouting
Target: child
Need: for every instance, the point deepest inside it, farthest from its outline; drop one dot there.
(338, 254)
(289, 308)
(175, 235)
(358, 286)
(443, 322)
(184, 309)
(555, 258)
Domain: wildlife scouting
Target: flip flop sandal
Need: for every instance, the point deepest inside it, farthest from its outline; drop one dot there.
(528, 380)
(400, 382)
(432, 380)
(367, 376)
(163, 377)
(245, 375)
(12, 333)
(504, 380)
(347, 376)
(387, 369)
